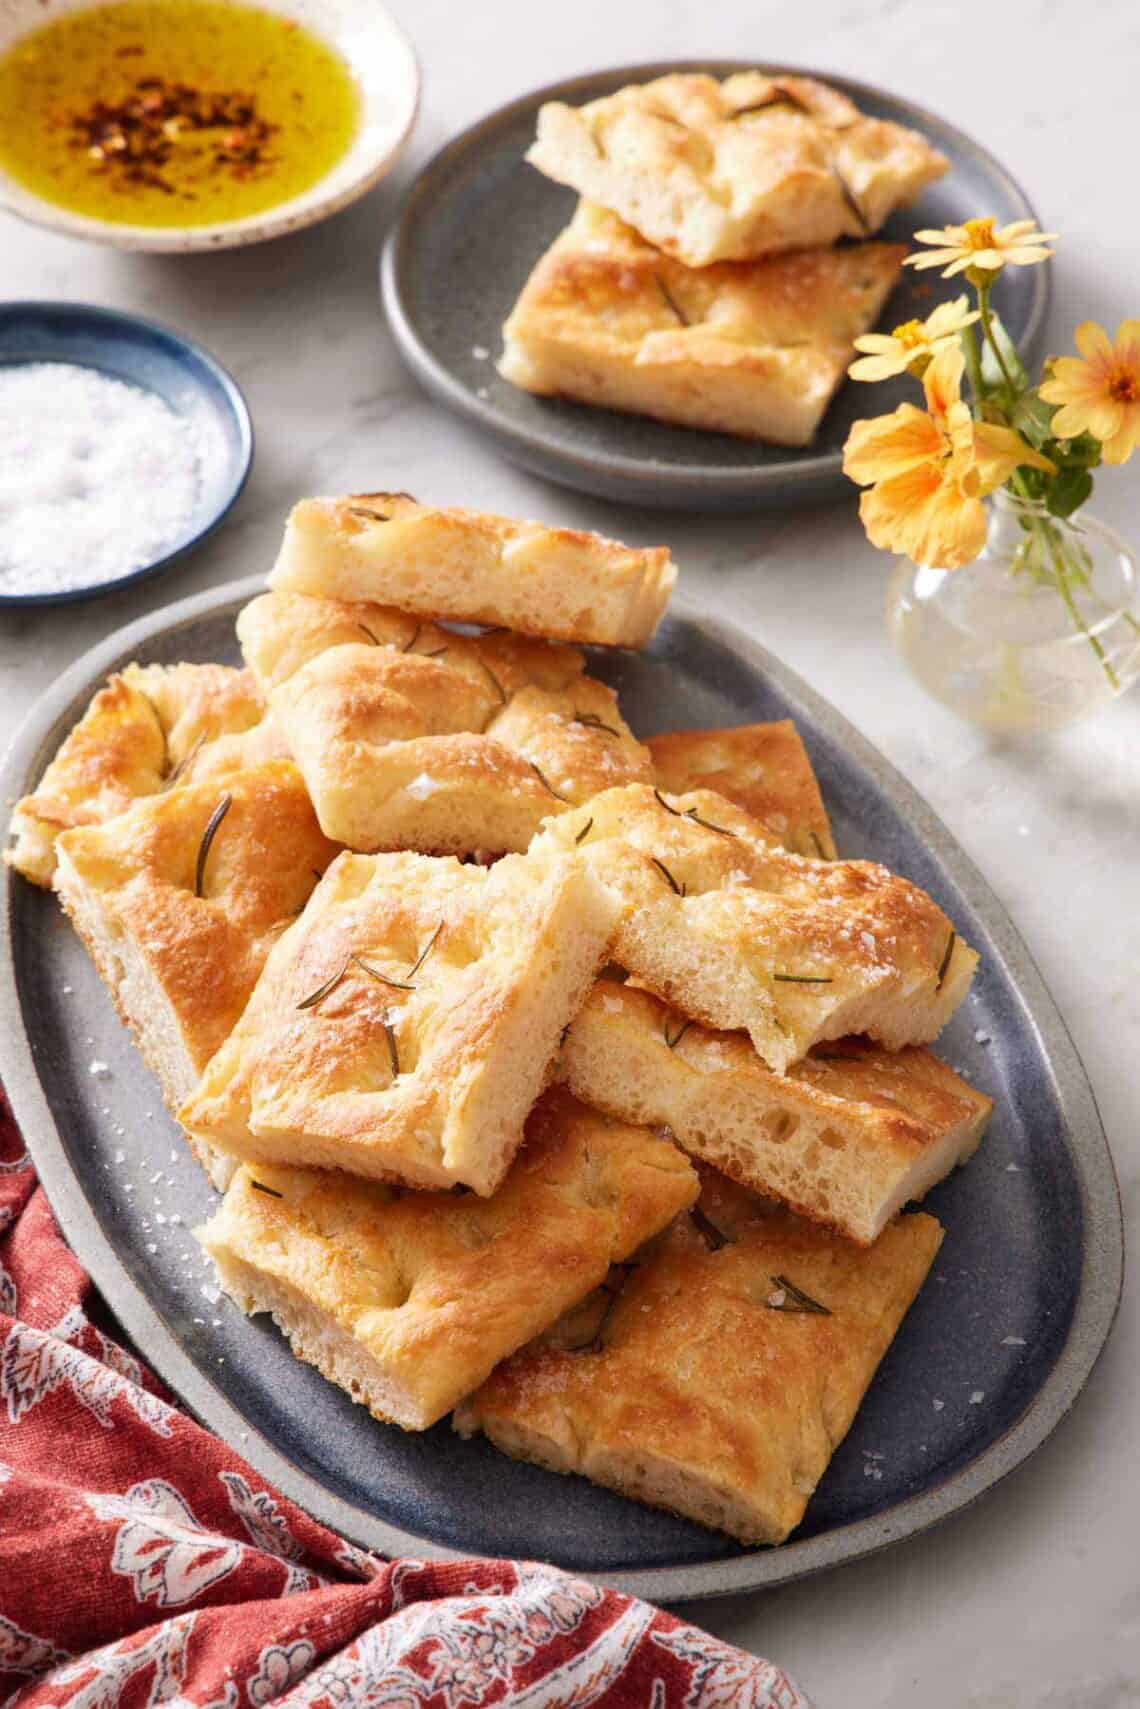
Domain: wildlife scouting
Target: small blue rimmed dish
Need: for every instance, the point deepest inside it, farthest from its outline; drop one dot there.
(157, 360)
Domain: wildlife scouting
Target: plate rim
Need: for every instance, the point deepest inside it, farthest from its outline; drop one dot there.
(125, 325)
(1102, 1263)
(619, 469)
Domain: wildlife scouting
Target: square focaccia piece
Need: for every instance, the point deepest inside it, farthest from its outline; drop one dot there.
(179, 901)
(752, 348)
(847, 1137)
(717, 1376)
(737, 932)
(729, 171)
(405, 1025)
(473, 567)
(408, 1300)
(149, 728)
(763, 768)
(420, 738)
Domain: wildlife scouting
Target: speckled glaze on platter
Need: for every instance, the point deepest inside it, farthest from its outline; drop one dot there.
(478, 218)
(1004, 1335)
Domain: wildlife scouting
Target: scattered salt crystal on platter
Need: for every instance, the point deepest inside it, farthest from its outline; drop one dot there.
(1013, 1169)
(977, 1397)
(938, 1405)
(97, 477)
(99, 1070)
(981, 1038)
(213, 1295)
(480, 352)
(1013, 1341)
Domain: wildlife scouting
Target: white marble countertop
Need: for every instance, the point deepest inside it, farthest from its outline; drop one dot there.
(1029, 1598)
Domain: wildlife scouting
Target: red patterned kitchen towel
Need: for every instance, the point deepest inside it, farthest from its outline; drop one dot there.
(142, 1563)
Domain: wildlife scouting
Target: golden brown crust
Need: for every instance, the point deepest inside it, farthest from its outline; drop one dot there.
(412, 736)
(181, 966)
(846, 1138)
(698, 1390)
(762, 768)
(417, 1073)
(434, 1289)
(151, 726)
(717, 171)
(473, 567)
(754, 348)
(737, 932)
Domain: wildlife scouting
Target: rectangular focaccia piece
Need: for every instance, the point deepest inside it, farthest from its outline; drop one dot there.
(702, 1380)
(763, 768)
(408, 1300)
(149, 728)
(473, 567)
(405, 1025)
(411, 736)
(737, 932)
(753, 348)
(847, 1137)
(729, 171)
(180, 938)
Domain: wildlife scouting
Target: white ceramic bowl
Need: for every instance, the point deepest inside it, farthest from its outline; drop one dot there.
(384, 65)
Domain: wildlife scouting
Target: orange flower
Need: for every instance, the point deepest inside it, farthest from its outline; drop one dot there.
(911, 345)
(1100, 395)
(978, 244)
(927, 471)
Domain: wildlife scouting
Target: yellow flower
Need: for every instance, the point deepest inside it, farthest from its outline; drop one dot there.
(1100, 395)
(927, 471)
(977, 244)
(911, 345)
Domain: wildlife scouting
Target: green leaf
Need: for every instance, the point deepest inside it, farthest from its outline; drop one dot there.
(1033, 418)
(991, 372)
(1081, 452)
(1067, 491)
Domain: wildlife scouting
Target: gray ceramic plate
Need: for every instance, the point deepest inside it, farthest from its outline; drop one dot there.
(1004, 1335)
(478, 218)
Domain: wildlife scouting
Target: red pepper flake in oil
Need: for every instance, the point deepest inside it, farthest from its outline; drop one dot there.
(135, 139)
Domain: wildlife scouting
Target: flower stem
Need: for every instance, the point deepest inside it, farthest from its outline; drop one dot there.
(973, 366)
(988, 331)
(1047, 534)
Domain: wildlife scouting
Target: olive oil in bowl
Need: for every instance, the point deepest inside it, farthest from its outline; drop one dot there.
(173, 113)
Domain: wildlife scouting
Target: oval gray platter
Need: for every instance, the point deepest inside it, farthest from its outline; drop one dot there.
(477, 219)
(1017, 1309)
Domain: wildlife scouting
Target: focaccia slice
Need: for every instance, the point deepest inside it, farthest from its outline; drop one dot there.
(716, 1377)
(149, 728)
(729, 171)
(473, 567)
(753, 348)
(408, 1300)
(413, 737)
(763, 768)
(179, 901)
(737, 932)
(405, 1025)
(847, 1137)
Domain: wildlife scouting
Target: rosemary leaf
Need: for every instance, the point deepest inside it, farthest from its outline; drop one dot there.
(671, 302)
(714, 1237)
(208, 835)
(368, 515)
(818, 845)
(803, 978)
(661, 802)
(260, 1187)
(678, 1035)
(425, 952)
(707, 824)
(677, 889)
(499, 689)
(944, 964)
(434, 653)
(393, 1053)
(584, 832)
(848, 195)
(416, 633)
(375, 639)
(187, 760)
(547, 786)
(593, 722)
(797, 1300)
(322, 991)
(375, 973)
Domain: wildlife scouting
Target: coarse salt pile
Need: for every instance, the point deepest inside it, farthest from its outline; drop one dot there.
(97, 477)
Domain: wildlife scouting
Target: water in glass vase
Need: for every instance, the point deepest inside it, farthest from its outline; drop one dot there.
(1042, 629)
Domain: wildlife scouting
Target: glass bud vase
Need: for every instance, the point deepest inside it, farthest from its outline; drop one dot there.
(1041, 629)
